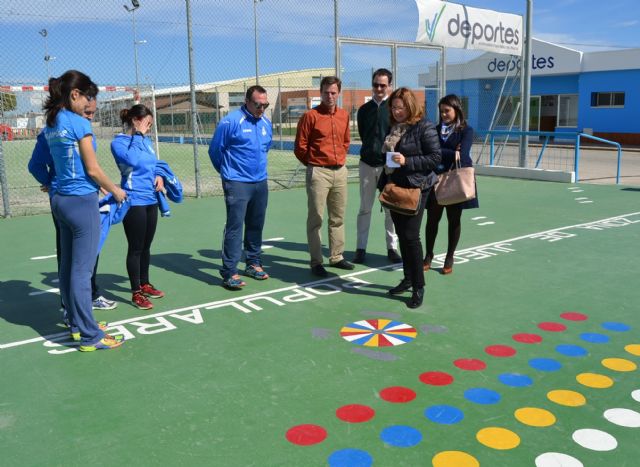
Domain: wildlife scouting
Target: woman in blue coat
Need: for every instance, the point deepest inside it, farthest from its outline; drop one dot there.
(455, 135)
(75, 202)
(137, 161)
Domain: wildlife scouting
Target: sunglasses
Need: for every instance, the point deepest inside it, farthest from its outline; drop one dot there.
(258, 105)
(89, 98)
(380, 85)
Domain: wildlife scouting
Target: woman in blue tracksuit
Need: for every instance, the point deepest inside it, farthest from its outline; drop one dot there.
(137, 161)
(455, 136)
(75, 203)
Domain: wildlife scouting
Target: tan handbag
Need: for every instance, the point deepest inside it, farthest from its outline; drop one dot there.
(401, 200)
(457, 185)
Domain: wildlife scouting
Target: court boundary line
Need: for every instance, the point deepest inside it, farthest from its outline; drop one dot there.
(347, 277)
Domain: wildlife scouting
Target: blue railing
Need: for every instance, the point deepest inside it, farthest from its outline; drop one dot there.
(575, 136)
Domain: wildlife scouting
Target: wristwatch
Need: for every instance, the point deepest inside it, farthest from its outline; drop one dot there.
(139, 133)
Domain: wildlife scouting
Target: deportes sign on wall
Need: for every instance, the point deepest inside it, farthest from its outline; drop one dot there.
(458, 26)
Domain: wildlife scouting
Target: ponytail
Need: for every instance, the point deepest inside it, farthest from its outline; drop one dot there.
(136, 112)
(60, 93)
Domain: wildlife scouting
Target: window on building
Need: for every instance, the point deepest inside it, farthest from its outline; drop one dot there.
(236, 100)
(315, 81)
(607, 99)
(568, 110)
(507, 109)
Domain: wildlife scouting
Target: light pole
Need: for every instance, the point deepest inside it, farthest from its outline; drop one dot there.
(255, 36)
(47, 58)
(135, 4)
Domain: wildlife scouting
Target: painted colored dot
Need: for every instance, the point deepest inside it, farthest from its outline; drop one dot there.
(306, 435)
(457, 458)
(525, 338)
(623, 417)
(534, 416)
(436, 378)
(444, 414)
(545, 364)
(633, 349)
(482, 396)
(557, 459)
(552, 327)
(636, 395)
(350, 458)
(618, 327)
(566, 397)
(500, 351)
(594, 380)
(574, 316)
(594, 337)
(498, 438)
(401, 436)
(470, 364)
(596, 440)
(619, 364)
(355, 413)
(397, 394)
(515, 380)
(571, 350)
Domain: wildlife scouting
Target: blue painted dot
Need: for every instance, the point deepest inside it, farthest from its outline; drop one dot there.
(401, 436)
(482, 396)
(515, 379)
(445, 414)
(594, 337)
(619, 327)
(571, 350)
(350, 458)
(545, 364)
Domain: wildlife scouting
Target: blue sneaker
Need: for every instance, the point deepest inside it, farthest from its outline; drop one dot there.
(233, 283)
(256, 271)
(102, 303)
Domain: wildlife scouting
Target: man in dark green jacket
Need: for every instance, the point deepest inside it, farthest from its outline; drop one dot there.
(373, 126)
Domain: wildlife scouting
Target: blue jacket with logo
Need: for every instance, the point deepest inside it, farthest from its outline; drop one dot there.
(137, 161)
(240, 145)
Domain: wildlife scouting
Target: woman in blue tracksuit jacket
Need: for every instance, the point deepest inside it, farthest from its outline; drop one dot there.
(137, 161)
(75, 202)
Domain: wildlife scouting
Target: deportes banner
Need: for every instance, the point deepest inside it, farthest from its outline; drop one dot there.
(461, 27)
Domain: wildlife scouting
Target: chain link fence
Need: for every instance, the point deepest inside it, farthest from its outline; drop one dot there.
(287, 45)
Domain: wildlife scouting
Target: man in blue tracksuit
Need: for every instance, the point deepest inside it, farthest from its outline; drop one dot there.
(238, 152)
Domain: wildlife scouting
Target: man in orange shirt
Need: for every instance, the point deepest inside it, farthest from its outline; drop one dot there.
(322, 142)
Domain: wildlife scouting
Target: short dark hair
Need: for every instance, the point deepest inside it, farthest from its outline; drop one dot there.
(382, 72)
(255, 88)
(329, 80)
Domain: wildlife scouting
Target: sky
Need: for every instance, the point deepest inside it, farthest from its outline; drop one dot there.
(96, 36)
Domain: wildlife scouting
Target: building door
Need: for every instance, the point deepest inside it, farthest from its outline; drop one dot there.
(548, 113)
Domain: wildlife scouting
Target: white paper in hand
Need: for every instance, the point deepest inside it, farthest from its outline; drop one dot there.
(390, 162)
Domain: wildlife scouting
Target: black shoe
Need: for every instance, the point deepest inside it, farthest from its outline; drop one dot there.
(416, 299)
(343, 264)
(358, 258)
(393, 256)
(403, 286)
(319, 270)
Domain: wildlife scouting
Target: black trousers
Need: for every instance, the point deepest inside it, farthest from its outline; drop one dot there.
(140, 227)
(408, 230)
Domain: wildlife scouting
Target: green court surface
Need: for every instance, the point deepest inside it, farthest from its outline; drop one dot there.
(526, 355)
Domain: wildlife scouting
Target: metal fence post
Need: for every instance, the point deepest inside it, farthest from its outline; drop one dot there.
(194, 114)
(576, 158)
(3, 182)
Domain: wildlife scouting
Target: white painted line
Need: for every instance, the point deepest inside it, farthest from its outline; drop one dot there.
(583, 197)
(577, 191)
(42, 292)
(487, 223)
(266, 247)
(275, 239)
(585, 202)
(241, 298)
(478, 218)
(36, 258)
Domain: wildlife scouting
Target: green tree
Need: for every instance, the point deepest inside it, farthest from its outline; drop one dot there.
(8, 102)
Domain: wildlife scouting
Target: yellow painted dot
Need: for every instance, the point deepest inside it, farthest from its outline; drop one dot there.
(566, 397)
(594, 380)
(457, 458)
(498, 438)
(633, 349)
(619, 364)
(533, 416)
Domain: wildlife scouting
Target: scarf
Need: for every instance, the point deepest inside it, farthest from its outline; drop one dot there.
(446, 130)
(395, 133)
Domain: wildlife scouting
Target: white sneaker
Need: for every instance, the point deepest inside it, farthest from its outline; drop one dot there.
(102, 303)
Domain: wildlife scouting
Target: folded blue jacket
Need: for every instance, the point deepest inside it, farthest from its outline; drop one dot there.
(110, 213)
(171, 184)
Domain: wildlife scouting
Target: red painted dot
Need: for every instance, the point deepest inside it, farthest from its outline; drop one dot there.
(397, 394)
(470, 364)
(500, 351)
(574, 316)
(436, 378)
(552, 327)
(525, 338)
(355, 413)
(306, 435)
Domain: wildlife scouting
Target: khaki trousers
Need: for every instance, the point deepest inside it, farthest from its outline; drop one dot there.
(326, 188)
